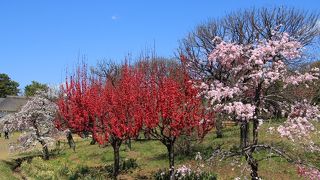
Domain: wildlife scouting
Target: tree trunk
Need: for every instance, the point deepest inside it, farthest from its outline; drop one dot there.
(85, 134)
(244, 134)
(45, 150)
(219, 127)
(46, 153)
(170, 148)
(6, 135)
(250, 159)
(116, 153)
(93, 141)
(256, 114)
(254, 166)
(255, 131)
(71, 142)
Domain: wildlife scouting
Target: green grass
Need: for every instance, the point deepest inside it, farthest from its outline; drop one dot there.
(90, 160)
(4, 146)
(6, 172)
(5, 156)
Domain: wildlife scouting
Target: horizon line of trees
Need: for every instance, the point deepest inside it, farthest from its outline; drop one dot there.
(9, 87)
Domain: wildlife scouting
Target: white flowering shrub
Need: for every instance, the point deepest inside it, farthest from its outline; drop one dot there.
(187, 172)
(184, 173)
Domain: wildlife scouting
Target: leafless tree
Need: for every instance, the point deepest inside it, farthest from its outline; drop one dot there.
(107, 69)
(249, 26)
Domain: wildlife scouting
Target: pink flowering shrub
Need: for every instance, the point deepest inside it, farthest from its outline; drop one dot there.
(300, 124)
(310, 173)
(187, 172)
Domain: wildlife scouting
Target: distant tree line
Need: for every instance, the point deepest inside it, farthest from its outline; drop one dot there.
(9, 87)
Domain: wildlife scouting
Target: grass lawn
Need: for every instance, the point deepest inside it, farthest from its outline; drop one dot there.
(88, 161)
(4, 146)
(5, 156)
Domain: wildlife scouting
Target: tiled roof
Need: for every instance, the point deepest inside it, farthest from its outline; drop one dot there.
(12, 103)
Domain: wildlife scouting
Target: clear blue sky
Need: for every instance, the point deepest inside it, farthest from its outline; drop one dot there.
(40, 39)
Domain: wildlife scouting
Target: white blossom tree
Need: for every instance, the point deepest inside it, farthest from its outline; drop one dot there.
(36, 122)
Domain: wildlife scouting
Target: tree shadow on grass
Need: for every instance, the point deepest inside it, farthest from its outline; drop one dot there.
(15, 163)
(162, 156)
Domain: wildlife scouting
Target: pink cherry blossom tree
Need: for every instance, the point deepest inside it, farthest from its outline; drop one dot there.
(36, 121)
(247, 83)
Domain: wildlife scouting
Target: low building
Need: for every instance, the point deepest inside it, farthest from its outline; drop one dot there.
(11, 104)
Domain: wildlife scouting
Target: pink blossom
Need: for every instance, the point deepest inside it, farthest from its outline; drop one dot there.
(310, 173)
(299, 123)
(244, 68)
(242, 111)
(225, 54)
(298, 78)
(242, 80)
(184, 170)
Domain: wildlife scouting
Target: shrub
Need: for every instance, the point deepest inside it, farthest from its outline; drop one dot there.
(184, 173)
(128, 164)
(125, 165)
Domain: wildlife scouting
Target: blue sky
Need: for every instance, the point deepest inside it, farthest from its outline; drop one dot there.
(39, 40)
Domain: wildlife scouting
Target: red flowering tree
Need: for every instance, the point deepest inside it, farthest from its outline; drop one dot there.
(111, 110)
(171, 106)
(74, 104)
(124, 119)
